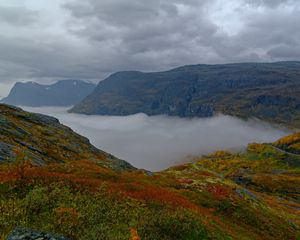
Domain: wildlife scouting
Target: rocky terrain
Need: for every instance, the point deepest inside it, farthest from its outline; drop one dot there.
(61, 93)
(29, 234)
(268, 91)
(56, 183)
(42, 139)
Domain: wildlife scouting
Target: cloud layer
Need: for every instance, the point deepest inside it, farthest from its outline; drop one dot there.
(155, 143)
(90, 39)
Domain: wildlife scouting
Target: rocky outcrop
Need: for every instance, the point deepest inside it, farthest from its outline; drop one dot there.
(43, 140)
(29, 234)
(6, 152)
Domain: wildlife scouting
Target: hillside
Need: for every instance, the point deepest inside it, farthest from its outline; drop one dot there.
(42, 140)
(290, 143)
(268, 91)
(53, 180)
(61, 93)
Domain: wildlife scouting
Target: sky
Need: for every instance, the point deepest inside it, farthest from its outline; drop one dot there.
(158, 142)
(45, 41)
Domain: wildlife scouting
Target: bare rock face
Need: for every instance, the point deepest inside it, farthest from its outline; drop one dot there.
(29, 234)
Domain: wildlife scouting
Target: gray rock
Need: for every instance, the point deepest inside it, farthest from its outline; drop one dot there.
(39, 119)
(29, 234)
(245, 192)
(6, 152)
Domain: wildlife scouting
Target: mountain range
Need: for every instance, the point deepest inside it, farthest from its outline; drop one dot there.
(53, 181)
(61, 93)
(267, 91)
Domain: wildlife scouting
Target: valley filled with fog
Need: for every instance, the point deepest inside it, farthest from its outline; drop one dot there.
(157, 142)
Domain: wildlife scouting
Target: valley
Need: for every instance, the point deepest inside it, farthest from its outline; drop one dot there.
(159, 142)
(85, 193)
(150, 120)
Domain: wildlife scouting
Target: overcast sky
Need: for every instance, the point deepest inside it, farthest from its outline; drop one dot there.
(60, 39)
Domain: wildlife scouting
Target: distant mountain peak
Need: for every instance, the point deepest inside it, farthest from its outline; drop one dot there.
(61, 93)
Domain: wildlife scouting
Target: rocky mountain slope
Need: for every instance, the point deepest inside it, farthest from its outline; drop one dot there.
(269, 91)
(52, 180)
(62, 93)
(42, 140)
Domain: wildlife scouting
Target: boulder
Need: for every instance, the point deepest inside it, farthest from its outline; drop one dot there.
(29, 234)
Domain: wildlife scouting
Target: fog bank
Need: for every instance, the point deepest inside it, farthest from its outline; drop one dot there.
(158, 142)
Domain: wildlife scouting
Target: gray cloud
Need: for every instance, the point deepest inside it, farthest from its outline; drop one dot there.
(155, 143)
(270, 3)
(91, 39)
(284, 51)
(142, 33)
(17, 16)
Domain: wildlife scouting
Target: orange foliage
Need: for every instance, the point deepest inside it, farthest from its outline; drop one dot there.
(66, 219)
(221, 154)
(289, 139)
(85, 175)
(134, 234)
(89, 181)
(151, 193)
(16, 170)
(64, 215)
(218, 191)
(7, 176)
(181, 167)
(206, 174)
(185, 181)
(80, 172)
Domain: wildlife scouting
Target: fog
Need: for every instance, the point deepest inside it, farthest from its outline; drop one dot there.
(157, 142)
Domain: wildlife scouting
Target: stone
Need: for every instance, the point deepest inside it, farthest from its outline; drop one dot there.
(29, 234)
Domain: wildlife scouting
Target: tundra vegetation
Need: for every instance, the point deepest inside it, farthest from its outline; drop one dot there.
(83, 193)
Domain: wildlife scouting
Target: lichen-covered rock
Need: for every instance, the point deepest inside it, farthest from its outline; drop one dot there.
(29, 234)
(6, 152)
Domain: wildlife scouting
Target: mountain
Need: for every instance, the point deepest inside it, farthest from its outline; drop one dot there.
(268, 91)
(43, 140)
(61, 93)
(54, 182)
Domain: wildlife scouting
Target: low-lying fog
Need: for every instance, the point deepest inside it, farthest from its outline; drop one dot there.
(155, 143)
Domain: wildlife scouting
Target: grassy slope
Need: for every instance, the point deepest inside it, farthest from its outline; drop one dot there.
(290, 143)
(44, 140)
(254, 195)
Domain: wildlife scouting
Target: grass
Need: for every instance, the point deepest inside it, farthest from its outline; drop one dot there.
(83, 195)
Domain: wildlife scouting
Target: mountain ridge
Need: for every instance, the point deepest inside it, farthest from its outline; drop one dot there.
(268, 91)
(43, 140)
(61, 93)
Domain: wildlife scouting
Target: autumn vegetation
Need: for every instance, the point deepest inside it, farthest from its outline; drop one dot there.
(250, 195)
